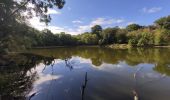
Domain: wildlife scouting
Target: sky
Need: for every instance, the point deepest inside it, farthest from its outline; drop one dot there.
(79, 16)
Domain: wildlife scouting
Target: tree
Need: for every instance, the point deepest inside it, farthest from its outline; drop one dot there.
(87, 39)
(40, 8)
(67, 39)
(147, 38)
(142, 37)
(109, 35)
(97, 29)
(133, 27)
(121, 36)
(162, 37)
(12, 21)
(163, 22)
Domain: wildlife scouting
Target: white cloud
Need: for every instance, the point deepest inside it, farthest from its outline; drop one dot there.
(104, 21)
(118, 21)
(34, 22)
(99, 21)
(52, 11)
(129, 23)
(77, 22)
(151, 10)
(46, 78)
(56, 29)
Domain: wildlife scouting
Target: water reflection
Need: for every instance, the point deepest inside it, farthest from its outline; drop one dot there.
(68, 64)
(64, 73)
(98, 56)
(15, 83)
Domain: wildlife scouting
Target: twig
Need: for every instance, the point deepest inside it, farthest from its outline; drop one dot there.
(84, 86)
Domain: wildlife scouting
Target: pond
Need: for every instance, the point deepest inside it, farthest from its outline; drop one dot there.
(86, 73)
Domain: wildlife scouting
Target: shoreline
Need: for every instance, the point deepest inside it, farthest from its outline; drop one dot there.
(168, 46)
(126, 46)
(64, 46)
(114, 46)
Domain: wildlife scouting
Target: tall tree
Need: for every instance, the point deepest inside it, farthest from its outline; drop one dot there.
(109, 35)
(97, 29)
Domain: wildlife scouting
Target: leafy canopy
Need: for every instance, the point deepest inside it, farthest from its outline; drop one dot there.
(163, 22)
(14, 9)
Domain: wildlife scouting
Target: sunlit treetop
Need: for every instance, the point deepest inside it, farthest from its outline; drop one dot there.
(163, 22)
(43, 5)
(14, 9)
(41, 8)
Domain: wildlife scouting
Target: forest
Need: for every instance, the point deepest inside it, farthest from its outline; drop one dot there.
(16, 34)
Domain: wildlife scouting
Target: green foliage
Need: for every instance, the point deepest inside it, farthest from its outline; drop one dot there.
(121, 36)
(146, 38)
(67, 39)
(97, 29)
(132, 42)
(163, 22)
(158, 38)
(133, 27)
(18, 36)
(15, 35)
(143, 37)
(109, 35)
(87, 39)
(162, 37)
(47, 38)
(40, 8)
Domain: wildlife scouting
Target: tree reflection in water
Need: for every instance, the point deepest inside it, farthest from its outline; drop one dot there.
(139, 86)
(15, 82)
(98, 56)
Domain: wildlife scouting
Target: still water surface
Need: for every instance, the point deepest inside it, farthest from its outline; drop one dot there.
(86, 73)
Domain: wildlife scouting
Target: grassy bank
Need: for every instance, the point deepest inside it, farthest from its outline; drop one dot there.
(126, 46)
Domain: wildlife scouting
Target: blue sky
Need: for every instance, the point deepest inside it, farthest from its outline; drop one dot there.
(78, 16)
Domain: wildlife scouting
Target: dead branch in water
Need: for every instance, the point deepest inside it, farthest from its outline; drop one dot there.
(134, 92)
(83, 87)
